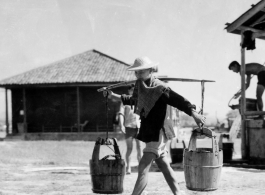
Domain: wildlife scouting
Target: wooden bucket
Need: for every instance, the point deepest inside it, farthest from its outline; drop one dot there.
(202, 166)
(228, 149)
(107, 175)
(251, 105)
(176, 151)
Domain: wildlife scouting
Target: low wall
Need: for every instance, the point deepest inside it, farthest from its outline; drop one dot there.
(256, 131)
(72, 136)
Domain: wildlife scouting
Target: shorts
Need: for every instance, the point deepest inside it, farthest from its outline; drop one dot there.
(130, 132)
(261, 78)
(158, 148)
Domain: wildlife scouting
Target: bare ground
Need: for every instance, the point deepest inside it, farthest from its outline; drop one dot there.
(53, 168)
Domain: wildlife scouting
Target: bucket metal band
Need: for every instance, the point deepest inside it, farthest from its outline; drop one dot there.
(204, 166)
(201, 189)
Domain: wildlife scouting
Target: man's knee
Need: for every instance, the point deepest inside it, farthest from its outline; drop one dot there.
(143, 168)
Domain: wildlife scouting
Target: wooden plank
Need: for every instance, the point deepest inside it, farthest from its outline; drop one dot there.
(244, 28)
(252, 113)
(7, 120)
(239, 21)
(255, 124)
(243, 101)
(260, 10)
(258, 20)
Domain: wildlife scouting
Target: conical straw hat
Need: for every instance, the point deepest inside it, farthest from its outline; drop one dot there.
(142, 63)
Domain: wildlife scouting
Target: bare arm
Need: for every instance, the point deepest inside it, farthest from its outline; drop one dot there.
(248, 79)
(121, 123)
(111, 95)
(121, 118)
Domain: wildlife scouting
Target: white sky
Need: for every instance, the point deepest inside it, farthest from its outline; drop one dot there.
(186, 37)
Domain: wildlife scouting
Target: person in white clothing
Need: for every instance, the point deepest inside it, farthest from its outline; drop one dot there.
(129, 124)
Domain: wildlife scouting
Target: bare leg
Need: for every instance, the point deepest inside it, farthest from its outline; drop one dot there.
(169, 174)
(259, 93)
(143, 171)
(139, 150)
(129, 143)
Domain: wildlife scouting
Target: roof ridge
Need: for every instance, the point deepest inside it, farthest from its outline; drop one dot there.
(110, 57)
(65, 59)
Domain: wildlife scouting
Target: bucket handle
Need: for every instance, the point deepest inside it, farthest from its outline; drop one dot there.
(117, 157)
(184, 145)
(207, 132)
(107, 141)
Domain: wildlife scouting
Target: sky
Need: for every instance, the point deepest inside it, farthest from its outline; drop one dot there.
(187, 38)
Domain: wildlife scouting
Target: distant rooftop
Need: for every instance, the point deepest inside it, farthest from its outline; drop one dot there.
(88, 67)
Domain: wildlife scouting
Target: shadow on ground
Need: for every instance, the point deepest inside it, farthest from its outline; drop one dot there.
(154, 167)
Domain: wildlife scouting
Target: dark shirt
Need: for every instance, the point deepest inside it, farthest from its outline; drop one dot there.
(158, 117)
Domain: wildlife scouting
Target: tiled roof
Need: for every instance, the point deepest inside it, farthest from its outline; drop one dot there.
(88, 67)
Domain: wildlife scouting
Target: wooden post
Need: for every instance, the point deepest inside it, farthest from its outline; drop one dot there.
(78, 109)
(7, 120)
(243, 102)
(25, 111)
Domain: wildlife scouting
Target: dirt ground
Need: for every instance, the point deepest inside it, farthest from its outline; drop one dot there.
(61, 168)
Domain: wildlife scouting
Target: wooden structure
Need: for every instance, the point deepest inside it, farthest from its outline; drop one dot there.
(252, 20)
(62, 96)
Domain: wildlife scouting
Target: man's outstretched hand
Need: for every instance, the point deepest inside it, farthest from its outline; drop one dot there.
(199, 119)
(237, 94)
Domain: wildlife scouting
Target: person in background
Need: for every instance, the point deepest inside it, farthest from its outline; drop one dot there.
(150, 98)
(129, 124)
(252, 69)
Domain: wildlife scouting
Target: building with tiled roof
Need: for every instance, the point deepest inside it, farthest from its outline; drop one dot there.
(62, 97)
(90, 67)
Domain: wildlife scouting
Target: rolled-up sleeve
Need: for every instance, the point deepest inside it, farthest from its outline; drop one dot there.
(173, 99)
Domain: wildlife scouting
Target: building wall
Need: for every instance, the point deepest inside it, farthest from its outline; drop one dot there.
(55, 109)
(17, 105)
(93, 106)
